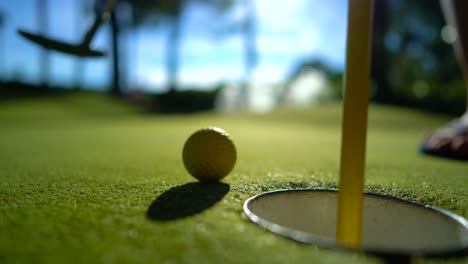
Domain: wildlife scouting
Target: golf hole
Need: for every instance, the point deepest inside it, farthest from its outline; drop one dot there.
(391, 226)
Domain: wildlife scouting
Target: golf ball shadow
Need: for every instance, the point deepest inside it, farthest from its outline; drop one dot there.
(186, 200)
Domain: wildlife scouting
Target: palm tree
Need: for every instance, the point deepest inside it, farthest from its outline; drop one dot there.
(44, 58)
(2, 44)
(173, 44)
(115, 88)
(249, 30)
(78, 70)
(247, 27)
(170, 13)
(115, 36)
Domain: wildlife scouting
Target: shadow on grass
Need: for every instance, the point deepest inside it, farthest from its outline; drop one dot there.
(186, 200)
(13, 90)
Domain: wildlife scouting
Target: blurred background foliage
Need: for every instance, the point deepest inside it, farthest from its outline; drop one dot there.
(413, 63)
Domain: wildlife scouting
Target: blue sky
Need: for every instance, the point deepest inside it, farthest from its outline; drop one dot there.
(288, 31)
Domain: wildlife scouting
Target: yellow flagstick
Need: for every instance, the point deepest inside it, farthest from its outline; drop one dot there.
(354, 126)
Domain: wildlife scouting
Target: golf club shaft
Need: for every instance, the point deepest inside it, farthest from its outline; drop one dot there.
(97, 22)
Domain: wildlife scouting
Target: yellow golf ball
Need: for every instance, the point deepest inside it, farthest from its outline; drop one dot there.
(209, 154)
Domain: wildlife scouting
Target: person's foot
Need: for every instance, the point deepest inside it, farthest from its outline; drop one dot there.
(450, 141)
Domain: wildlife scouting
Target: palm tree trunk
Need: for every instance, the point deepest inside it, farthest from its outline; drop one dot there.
(2, 46)
(78, 66)
(250, 50)
(44, 59)
(135, 48)
(172, 54)
(115, 89)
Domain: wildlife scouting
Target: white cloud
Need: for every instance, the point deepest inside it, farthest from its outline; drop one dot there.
(149, 43)
(278, 16)
(199, 46)
(294, 44)
(155, 76)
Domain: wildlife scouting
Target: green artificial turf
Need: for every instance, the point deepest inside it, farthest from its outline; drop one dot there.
(84, 178)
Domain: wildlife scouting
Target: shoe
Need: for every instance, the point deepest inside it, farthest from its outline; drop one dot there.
(450, 141)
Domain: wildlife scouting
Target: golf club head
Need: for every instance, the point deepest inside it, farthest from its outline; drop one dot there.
(67, 48)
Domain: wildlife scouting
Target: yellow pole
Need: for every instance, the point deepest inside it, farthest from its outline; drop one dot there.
(354, 126)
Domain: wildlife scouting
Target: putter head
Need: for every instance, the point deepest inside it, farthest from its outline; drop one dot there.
(67, 48)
